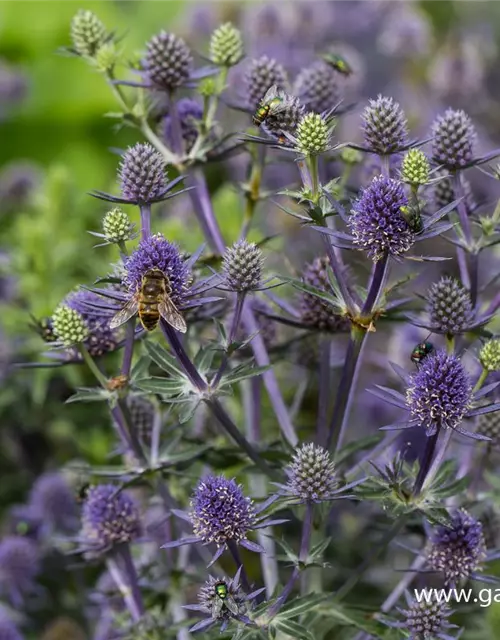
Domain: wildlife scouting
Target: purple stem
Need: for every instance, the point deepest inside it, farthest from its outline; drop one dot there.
(235, 323)
(468, 272)
(177, 140)
(191, 371)
(376, 284)
(202, 204)
(235, 552)
(123, 552)
(385, 166)
(425, 463)
(145, 221)
(303, 553)
(324, 344)
(128, 350)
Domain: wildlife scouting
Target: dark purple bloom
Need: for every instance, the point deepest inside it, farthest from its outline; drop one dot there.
(261, 74)
(385, 126)
(190, 115)
(234, 605)
(168, 61)
(376, 221)
(314, 311)
(220, 512)
(156, 252)
(109, 517)
(449, 306)
(142, 174)
(8, 630)
(53, 497)
(439, 394)
(458, 550)
(101, 338)
(242, 266)
(453, 141)
(318, 87)
(19, 565)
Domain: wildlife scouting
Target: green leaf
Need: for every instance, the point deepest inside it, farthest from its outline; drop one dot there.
(237, 375)
(161, 386)
(290, 553)
(187, 411)
(352, 448)
(302, 605)
(140, 368)
(349, 617)
(293, 629)
(89, 394)
(314, 291)
(160, 356)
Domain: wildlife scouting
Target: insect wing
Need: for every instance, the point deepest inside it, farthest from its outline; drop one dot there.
(217, 607)
(231, 605)
(129, 310)
(172, 315)
(270, 94)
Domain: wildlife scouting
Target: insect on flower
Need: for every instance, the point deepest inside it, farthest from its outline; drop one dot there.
(152, 301)
(411, 213)
(273, 102)
(339, 63)
(44, 328)
(421, 351)
(118, 382)
(224, 599)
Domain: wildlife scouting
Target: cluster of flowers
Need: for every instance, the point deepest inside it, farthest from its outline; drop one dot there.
(414, 197)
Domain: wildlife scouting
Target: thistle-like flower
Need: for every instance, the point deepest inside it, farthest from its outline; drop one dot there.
(449, 306)
(439, 394)
(385, 126)
(69, 326)
(314, 311)
(226, 45)
(19, 565)
(53, 498)
(117, 227)
(223, 600)
(453, 139)
(221, 514)
(190, 115)
(142, 416)
(444, 193)
(425, 620)
(457, 551)
(376, 221)
(313, 135)
(488, 425)
(87, 33)
(168, 61)
(142, 174)
(318, 87)
(8, 630)
(261, 74)
(311, 474)
(415, 168)
(242, 267)
(489, 355)
(109, 517)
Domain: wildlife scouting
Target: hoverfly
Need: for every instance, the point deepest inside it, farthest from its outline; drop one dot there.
(223, 599)
(274, 101)
(413, 218)
(82, 492)
(339, 63)
(421, 351)
(44, 328)
(152, 301)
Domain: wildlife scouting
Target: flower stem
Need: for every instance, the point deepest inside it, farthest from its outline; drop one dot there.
(235, 323)
(191, 371)
(425, 464)
(177, 141)
(469, 262)
(324, 344)
(385, 166)
(128, 351)
(253, 193)
(145, 221)
(480, 381)
(123, 572)
(89, 361)
(202, 205)
(377, 282)
(235, 552)
(312, 163)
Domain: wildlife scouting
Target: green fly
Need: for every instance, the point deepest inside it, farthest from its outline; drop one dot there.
(339, 63)
(274, 101)
(223, 599)
(413, 217)
(421, 351)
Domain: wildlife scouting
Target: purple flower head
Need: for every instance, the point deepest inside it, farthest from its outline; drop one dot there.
(156, 252)
(190, 115)
(453, 141)
(168, 61)
(376, 221)
(311, 474)
(314, 311)
(439, 394)
(109, 517)
(449, 306)
(318, 87)
(19, 565)
(458, 550)
(385, 126)
(18, 182)
(8, 630)
(142, 174)
(261, 74)
(223, 600)
(242, 266)
(444, 192)
(101, 338)
(220, 512)
(53, 497)
(426, 620)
